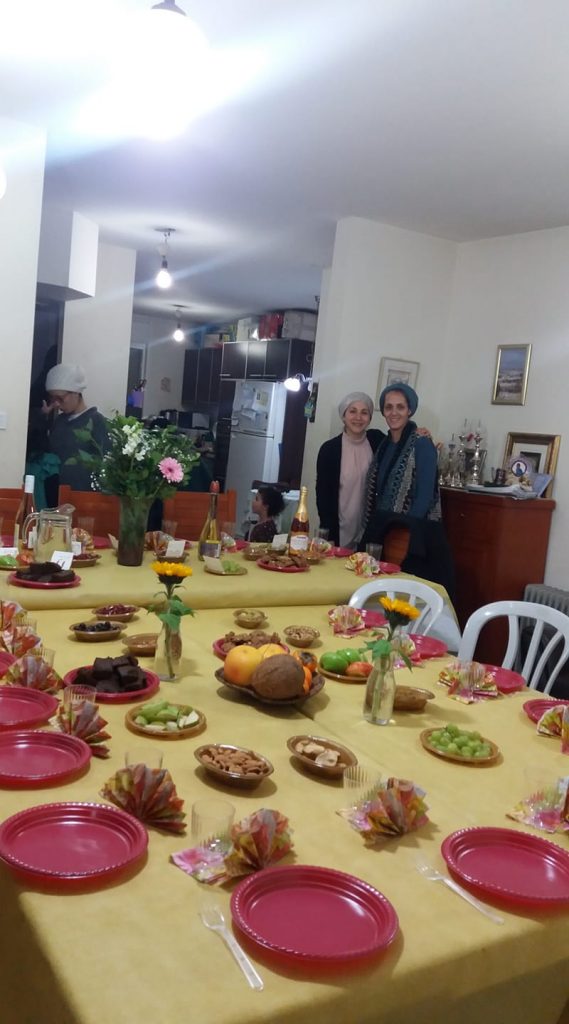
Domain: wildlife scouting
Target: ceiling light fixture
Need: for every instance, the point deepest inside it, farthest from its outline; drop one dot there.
(295, 383)
(178, 334)
(164, 277)
(168, 5)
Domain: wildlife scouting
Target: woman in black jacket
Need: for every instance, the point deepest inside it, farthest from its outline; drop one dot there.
(341, 470)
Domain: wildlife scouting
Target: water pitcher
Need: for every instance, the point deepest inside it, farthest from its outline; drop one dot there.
(52, 529)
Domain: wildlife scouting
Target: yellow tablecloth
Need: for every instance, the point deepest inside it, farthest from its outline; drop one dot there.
(138, 951)
(328, 583)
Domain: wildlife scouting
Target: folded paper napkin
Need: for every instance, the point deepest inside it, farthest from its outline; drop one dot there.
(469, 685)
(261, 839)
(10, 611)
(18, 640)
(85, 722)
(346, 621)
(550, 722)
(34, 672)
(363, 564)
(396, 807)
(547, 808)
(149, 794)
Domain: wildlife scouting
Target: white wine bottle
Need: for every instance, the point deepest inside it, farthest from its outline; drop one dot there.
(210, 541)
(300, 526)
(25, 508)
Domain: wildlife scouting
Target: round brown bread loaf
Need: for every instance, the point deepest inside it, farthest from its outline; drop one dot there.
(279, 677)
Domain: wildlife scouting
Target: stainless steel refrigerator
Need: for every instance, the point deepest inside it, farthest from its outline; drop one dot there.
(256, 436)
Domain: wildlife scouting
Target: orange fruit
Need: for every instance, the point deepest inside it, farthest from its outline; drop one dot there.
(306, 659)
(240, 664)
(267, 650)
(307, 679)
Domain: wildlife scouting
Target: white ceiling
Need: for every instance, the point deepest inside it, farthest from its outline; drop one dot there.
(448, 117)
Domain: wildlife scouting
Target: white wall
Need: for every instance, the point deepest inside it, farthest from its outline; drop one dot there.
(387, 293)
(164, 365)
(514, 290)
(23, 152)
(96, 331)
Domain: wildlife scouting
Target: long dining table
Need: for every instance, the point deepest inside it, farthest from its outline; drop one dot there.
(137, 949)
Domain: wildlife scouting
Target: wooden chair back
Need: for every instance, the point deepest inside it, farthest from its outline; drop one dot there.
(395, 544)
(104, 508)
(189, 510)
(10, 498)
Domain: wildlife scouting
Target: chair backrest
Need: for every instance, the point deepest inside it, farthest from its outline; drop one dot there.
(10, 498)
(541, 647)
(395, 544)
(104, 508)
(420, 595)
(189, 510)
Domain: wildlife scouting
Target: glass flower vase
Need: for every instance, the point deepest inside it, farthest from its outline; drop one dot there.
(132, 528)
(380, 691)
(168, 653)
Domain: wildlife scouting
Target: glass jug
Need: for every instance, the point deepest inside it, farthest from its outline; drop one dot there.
(52, 528)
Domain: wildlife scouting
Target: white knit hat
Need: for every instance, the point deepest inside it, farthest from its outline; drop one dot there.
(66, 377)
(355, 396)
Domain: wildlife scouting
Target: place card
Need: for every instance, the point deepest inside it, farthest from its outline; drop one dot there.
(8, 552)
(175, 549)
(62, 558)
(214, 564)
(76, 547)
(280, 540)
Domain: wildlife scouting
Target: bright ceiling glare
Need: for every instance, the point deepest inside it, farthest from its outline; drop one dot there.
(164, 277)
(178, 334)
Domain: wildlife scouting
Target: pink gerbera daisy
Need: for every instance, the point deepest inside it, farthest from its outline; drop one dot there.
(171, 470)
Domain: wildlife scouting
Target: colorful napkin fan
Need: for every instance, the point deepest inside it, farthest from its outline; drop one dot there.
(261, 839)
(149, 794)
(397, 806)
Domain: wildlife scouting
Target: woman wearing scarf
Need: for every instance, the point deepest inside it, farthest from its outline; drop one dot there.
(342, 467)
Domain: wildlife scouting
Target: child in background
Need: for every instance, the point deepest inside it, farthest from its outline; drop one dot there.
(267, 503)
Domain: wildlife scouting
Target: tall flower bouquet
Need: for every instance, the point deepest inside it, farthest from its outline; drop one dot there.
(170, 613)
(380, 686)
(138, 464)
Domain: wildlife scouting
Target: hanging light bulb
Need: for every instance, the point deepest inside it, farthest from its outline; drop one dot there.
(178, 334)
(164, 277)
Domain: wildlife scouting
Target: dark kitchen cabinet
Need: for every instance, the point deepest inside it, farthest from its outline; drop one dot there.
(256, 353)
(189, 383)
(200, 386)
(275, 359)
(234, 360)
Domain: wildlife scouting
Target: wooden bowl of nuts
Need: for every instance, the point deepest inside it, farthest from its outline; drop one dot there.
(321, 756)
(249, 618)
(236, 766)
(411, 698)
(301, 636)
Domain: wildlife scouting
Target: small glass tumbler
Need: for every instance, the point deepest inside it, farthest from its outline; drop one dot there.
(375, 551)
(358, 781)
(211, 821)
(169, 526)
(45, 653)
(152, 757)
(78, 693)
(86, 523)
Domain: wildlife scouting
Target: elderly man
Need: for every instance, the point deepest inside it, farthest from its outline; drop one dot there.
(65, 384)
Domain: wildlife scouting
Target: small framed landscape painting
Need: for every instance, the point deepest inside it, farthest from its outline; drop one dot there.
(396, 371)
(511, 377)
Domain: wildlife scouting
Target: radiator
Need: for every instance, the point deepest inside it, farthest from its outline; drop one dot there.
(550, 596)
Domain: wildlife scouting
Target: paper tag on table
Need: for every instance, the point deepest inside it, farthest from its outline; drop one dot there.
(175, 549)
(8, 552)
(279, 540)
(76, 547)
(214, 564)
(62, 558)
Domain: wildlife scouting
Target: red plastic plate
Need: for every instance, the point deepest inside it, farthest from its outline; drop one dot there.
(339, 552)
(71, 843)
(263, 564)
(506, 680)
(101, 542)
(313, 915)
(6, 659)
(21, 707)
(389, 567)
(41, 758)
(513, 866)
(428, 646)
(152, 684)
(37, 585)
(534, 709)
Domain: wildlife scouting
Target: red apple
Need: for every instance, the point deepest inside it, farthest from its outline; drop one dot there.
(359, 668)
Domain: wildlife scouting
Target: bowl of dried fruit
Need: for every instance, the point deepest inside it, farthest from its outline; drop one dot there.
(116, 612)
(98, 631)
(321, 756)
(255, 551)
(249, 618)
(236, 766)
(301, 636)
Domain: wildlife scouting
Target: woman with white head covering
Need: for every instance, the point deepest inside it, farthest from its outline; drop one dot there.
(342, 467)
(65, 384)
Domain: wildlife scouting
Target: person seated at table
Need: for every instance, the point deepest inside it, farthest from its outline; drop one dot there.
(65, 384)
(267, 503)
(341, 470)
(402, 489)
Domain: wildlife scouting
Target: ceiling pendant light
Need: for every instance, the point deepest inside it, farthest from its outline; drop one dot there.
(178, 334)
(164, 277)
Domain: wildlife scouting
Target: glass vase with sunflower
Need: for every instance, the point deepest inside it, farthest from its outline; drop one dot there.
(170, 612)
(380, 685)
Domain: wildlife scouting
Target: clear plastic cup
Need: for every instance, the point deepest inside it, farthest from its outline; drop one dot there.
(152, 757)
(78, 693)
(169, 526)
(211, 821)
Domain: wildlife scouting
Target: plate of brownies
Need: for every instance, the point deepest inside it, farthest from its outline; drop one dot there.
(116, 680)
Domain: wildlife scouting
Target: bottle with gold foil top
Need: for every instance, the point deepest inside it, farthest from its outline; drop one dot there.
(25, 509)
(210, 540)
(300, 527)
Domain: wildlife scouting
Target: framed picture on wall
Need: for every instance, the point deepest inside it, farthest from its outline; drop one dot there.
(539, 451)
(396, 371)
(511, 377)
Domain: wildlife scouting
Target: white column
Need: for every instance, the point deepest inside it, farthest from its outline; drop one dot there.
(22, 153)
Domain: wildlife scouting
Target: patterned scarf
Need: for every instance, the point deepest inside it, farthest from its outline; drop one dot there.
(398, 489)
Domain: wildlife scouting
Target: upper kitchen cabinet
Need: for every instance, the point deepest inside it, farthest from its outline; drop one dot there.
(200, 386)
(275, 359)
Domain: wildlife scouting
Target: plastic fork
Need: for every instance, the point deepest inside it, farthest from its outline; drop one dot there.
(212, 916)
(433, 875)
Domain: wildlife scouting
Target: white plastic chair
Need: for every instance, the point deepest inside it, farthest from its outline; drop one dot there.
(430, 602)
(533, 666)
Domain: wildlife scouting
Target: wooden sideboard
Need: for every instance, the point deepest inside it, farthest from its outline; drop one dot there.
(499, 545)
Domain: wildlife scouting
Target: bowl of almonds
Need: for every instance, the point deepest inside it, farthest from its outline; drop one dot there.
(236, 766)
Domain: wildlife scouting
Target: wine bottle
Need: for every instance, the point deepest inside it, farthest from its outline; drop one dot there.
(25, 508)
(300, 526)
(210, 542)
